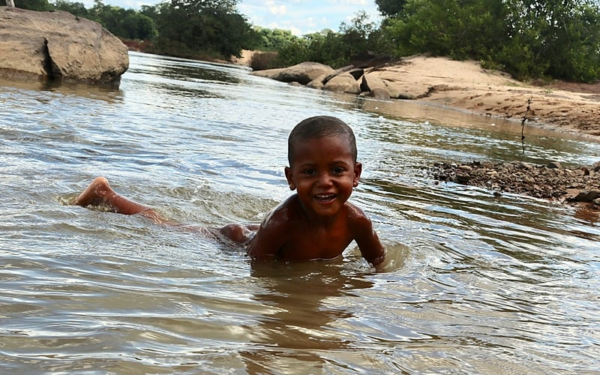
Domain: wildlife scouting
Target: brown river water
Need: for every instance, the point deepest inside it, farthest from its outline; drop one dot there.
(475, 284)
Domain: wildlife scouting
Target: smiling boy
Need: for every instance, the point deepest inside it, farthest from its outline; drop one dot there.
(317, 222)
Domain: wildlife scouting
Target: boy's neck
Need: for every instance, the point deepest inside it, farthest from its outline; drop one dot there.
(318, 221)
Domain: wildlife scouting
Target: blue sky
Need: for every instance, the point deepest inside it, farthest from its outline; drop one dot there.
(299, 16)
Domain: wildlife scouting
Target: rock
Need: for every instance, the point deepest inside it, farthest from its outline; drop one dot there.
(370, 82)
(567, 185)
(59, 46)
(336, 72)
(343, 82)
(317, 83)
(554, 165)
(304, 72)
(380, 93)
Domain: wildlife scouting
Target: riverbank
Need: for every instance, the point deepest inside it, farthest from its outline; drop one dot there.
(466, 86)
(577, 186)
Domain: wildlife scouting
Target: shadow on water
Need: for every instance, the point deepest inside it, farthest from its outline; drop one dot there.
(109, 93)
(297, 326)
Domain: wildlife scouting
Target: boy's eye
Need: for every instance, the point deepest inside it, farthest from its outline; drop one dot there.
(339, 170)
(308, 172)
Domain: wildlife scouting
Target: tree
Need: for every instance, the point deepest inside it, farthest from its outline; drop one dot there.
(37, 5)
(76, 9)
(527, 38)
(390, 8)
(189, 27)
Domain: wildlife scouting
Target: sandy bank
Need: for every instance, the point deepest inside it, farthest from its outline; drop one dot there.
(567, 107)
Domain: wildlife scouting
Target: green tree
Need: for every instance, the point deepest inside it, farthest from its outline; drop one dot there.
(335, 49)
(273, 39)
(390, 7)
(527, 38)
(38, 5)
(190, 27)
(556, 38)
(75, 8)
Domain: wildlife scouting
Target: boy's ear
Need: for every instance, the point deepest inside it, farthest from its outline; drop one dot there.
(357, 172)
(288, 176)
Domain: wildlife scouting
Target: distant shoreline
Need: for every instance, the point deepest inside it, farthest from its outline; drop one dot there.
(465, 85)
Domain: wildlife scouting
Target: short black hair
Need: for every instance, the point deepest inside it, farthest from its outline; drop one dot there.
(319, 127)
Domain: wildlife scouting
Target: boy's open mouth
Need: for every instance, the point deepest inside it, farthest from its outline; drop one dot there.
(325, 198)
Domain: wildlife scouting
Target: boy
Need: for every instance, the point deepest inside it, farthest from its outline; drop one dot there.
(317, 222)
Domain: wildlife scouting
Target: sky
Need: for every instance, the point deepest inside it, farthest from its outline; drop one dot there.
(299, 16)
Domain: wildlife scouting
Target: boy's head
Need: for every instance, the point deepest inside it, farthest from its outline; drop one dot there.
(320, 127)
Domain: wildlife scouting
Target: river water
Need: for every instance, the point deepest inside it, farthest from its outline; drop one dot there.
(475, 284)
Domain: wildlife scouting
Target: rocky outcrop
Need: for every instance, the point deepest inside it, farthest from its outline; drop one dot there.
(302, 73)
(59, 46)
(348, 79)
(343, 82)
(550, 181)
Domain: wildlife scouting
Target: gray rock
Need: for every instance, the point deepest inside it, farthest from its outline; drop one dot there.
(316, 83)
(380, 93)
(59, 46)
(304, 72)
(554, 165)
(344, 82)
(371, 82)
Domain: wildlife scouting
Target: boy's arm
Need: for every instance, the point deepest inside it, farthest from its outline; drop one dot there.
(269, 238)
(368, 242)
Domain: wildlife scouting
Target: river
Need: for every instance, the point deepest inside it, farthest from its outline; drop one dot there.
(476, 284)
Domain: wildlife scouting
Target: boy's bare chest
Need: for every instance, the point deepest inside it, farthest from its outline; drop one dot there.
(315, 243)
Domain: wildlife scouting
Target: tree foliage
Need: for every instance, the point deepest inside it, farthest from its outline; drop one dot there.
(37, 5)
(335, 49)
(202, 26)
(527, 38)
(390, 8)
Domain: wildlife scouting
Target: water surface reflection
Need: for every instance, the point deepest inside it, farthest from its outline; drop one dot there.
(478, 284)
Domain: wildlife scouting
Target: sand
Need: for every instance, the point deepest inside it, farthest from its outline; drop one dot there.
(567, 107)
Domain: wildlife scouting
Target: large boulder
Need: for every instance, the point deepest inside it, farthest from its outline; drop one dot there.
(344, 82)
(303, 73)
(59, 46)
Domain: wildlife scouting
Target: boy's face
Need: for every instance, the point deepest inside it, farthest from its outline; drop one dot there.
(324, 173)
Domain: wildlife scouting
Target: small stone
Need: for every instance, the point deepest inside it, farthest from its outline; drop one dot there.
(593, 194)
(554, 165)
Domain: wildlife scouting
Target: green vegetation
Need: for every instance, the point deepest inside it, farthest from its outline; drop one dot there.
(526, 38)
(336, 49)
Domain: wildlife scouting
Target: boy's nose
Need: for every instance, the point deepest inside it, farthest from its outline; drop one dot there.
(324, 179)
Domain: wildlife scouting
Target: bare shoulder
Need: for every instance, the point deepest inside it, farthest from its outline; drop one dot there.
(281, 215)
(272, 233)
(356, 216)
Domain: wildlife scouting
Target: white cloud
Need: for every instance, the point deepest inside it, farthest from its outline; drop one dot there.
(274, 8)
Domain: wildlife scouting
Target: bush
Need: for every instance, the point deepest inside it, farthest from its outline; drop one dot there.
(263, 60)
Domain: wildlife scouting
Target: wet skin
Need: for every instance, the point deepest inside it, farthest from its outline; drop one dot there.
(318, 222)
